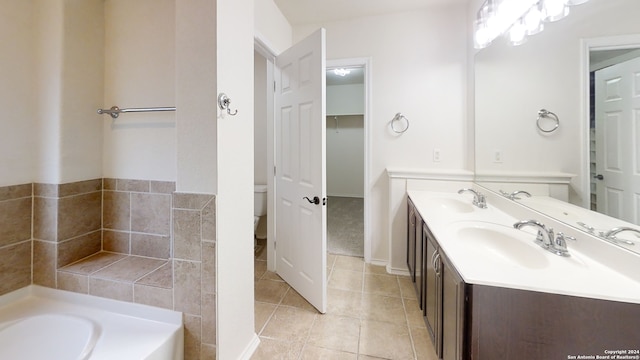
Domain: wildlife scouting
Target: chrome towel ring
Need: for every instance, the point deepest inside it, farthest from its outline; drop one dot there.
(398, 118)
(546, 114)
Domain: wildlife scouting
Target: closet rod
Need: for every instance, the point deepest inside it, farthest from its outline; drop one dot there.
(115, 111)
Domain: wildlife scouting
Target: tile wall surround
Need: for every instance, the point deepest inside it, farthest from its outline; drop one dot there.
(131, 240)
(15, 236)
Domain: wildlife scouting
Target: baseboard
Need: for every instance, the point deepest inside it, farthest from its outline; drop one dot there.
(251, 348)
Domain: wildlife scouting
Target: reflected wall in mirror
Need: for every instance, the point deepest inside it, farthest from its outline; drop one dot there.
(551, 71)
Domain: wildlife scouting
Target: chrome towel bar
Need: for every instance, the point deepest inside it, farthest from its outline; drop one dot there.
(115, 111)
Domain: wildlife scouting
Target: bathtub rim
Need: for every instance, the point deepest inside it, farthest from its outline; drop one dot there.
(117, 306)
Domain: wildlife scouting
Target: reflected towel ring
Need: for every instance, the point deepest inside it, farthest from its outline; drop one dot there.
(398, 118)
(545, 114)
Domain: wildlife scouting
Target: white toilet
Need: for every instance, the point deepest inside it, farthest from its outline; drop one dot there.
(259, 203)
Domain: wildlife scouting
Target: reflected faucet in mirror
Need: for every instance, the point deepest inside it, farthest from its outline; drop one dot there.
(611, 235)
(478, 198)
(514, 195)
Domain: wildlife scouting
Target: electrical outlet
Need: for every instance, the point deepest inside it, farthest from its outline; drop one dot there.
(497, 156)
(436, 155)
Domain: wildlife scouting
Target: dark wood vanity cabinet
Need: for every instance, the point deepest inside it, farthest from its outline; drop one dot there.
(415, 250)
(440, 290)
(432, 299)
(480, 322)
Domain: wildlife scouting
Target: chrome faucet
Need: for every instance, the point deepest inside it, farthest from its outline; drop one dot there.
(478, 198)
(514, 195)
(611, 235)
(546, 237)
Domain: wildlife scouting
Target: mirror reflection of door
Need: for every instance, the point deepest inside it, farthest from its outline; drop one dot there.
(615, 132)
(345, 160)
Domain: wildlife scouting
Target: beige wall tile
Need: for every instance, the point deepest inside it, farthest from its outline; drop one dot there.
(116, 211)
(186, 235)
(109, 184)
(16, 191)
(162, 187)
(44, 263)
(45, 218)
(73, 282)
(209, 221)
(133, 185)
(161, 277)
(111, 289)
(209, 319)
(116, 241)
(187, 286)
(78, 248)
(129, 269)
(79, 187)
(94, 263)
(209, 268)
(79, 214)
(156, 246)
(45, 190)
(15, 220)
(192, 336)
(15, 267)
(154, 296)
(208, 352)
(151, 213)
(190, 201)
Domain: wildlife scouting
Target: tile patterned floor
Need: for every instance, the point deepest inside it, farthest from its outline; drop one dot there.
(371, 315)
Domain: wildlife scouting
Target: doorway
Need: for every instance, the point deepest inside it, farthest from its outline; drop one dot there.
(614, 184)
(345, 156)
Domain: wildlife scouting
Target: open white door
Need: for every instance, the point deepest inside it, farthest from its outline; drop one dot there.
(617, 140)
(301, 169)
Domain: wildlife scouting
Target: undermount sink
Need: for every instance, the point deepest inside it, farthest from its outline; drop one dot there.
(454, 205)
(501, 243)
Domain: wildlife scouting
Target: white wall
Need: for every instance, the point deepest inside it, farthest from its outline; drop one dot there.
(345, 99)
(17, 123)
(140, 72)
(419, 67)
(196, 95)
(234, 245)
(260, 119)
(513, 83)
(271, 27)
(345, 156)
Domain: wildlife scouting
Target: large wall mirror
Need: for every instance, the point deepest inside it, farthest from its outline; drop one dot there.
(595, 144)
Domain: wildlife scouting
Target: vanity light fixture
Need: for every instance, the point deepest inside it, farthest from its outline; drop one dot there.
(341, 72)
(517, 19)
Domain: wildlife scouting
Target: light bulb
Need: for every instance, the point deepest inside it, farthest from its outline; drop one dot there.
(555, 10)
(517, 34)
(533, 21)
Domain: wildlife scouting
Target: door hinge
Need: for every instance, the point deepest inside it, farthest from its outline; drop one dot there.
(274, 86)
(274, 170)
(274, 245)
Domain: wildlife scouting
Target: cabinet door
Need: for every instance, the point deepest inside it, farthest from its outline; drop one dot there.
(419, 260)
(433, 291)
(453, 300)
(411, 240)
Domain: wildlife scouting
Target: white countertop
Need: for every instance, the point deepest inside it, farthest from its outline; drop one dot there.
(595, 269)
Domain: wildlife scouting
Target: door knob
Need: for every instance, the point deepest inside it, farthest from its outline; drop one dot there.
(599, 177)
(316, 200)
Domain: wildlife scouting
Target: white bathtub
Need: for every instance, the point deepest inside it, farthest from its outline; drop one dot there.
(42, 323)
